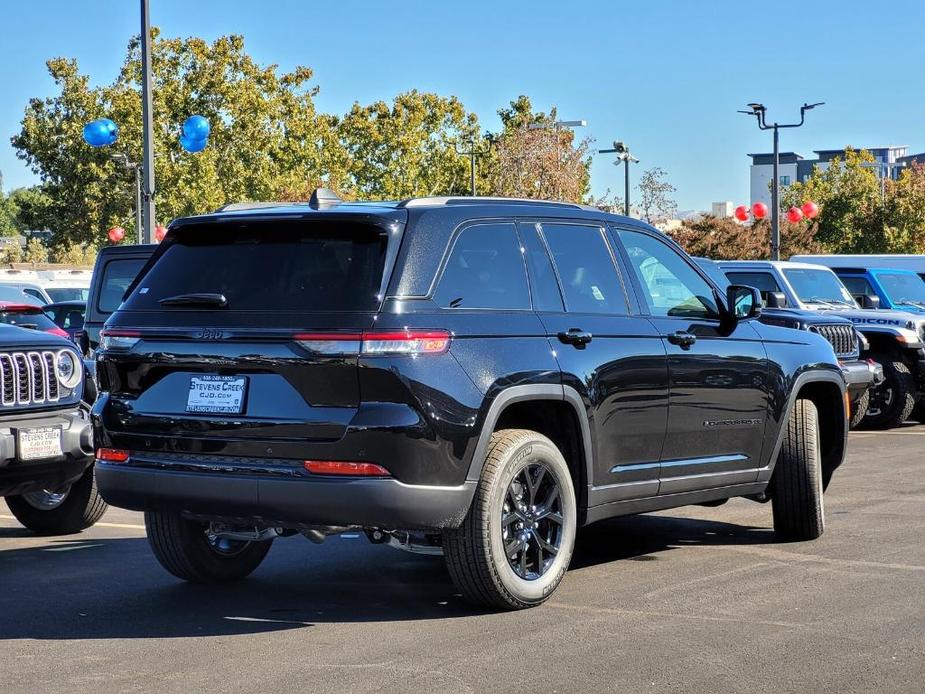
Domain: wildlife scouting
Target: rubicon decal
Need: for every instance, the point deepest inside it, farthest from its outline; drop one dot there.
(877, 321)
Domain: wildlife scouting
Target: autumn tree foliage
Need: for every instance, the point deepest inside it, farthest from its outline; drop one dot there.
(722, 238)
(534, 159)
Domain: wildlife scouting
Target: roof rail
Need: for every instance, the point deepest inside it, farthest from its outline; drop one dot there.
(320, 199)
(235, 206)
(449, 200)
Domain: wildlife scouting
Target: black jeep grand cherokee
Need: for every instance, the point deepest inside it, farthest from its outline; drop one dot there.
(473, 376)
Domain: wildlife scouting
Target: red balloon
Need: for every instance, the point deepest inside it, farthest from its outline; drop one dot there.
(760, 210)
(741, 213)
(810, 209)
(116, 234)
(160, 232)
(794, 214)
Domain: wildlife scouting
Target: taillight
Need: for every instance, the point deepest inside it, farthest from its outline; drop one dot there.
(112, 455)
(377, 342)
(59, 332)
(118, 340)
(406, 342)
(345, 468)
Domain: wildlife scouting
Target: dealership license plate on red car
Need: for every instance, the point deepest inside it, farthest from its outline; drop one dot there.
(216, 394)
(39, 443)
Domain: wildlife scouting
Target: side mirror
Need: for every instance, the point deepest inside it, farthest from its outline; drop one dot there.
(743, 302)
(870, 301)
(776, 300)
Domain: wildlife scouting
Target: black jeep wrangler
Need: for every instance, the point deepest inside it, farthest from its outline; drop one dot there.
(46, 441)
(477, 377)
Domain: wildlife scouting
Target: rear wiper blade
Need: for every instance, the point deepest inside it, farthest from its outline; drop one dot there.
(199, 299)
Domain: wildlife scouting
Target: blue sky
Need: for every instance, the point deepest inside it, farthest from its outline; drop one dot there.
(665, 76)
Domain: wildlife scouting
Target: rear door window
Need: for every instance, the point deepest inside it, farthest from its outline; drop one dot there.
(117, 276)
(485, 269)
(589, 278)
(271, 267)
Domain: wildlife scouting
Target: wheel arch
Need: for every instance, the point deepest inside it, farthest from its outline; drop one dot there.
(554, 410)
(826, 390)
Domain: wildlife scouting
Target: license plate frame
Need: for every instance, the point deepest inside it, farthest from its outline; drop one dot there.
(213, 394)
(39, 443)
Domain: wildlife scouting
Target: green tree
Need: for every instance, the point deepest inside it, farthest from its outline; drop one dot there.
(266, 136)
(8, 213)
(406, 148)
(850, 199)
(904, 210)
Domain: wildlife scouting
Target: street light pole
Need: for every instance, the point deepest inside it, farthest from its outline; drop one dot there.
(147, 119)
(623, 154)
(473, 154)
(759, 111)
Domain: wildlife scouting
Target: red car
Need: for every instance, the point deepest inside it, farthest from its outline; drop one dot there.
(29, 316)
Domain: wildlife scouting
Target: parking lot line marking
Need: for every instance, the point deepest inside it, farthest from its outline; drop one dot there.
(672, 615)
(71, 548)
(269, 621)
(796, 557)
(873, 434)
(129, 526)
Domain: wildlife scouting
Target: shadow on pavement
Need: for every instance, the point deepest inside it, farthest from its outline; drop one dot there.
(85, 587)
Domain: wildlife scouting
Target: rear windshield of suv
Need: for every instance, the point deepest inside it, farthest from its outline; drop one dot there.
(27, 318)
(270, 266)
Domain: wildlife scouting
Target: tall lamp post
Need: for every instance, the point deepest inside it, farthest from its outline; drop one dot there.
(473, 154)
(147, 127)
(759, 111)
(558, 126)
(623, 154)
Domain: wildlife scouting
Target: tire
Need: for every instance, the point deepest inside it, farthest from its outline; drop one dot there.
(71, 511)
(918, 412)
(475, 551)
(183, 548)
(892, 402)
(859, 410)
(796, 488)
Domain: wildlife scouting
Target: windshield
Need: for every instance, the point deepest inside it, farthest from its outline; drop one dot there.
(281, 266)
(902, 288)
(25, 318)
(67, 293)
(819, 287)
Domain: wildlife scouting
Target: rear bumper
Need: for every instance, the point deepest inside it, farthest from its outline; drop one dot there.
(19, 476)
(270, 500)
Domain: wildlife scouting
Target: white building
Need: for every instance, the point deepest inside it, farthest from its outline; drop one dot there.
(722, 209)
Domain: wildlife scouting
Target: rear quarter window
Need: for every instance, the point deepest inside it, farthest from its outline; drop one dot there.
(485, 269)
(117, 276)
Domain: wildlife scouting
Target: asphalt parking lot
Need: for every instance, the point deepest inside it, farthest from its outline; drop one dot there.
(695, 599)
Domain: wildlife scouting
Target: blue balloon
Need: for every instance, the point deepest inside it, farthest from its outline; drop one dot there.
(100, 132)
(193, 145)
(196, 128)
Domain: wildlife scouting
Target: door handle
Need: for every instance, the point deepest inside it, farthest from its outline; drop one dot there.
(575, 336)
(682, 338)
